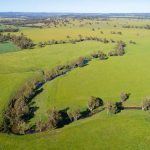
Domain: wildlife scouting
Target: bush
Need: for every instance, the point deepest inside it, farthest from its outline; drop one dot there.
(124, 97)
(119, 49)
(22, 41)
(114, 108)
(146, 104)
(132, 42)
(94, 103)
(94, 55)
(102, 56)
(14, 120)
(112, 53)
(80, 62)
(74, 115)
(40, 126)
(54, 118)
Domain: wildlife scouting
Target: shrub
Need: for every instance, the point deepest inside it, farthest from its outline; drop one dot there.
(94, 55)
(112, 53)
(54, 118)
(132, 42)
(41, 44)
(40, 126)
(124, 97)
(102, 56)
(14, 120)
(119, 49)
(74, 115)
(114, 108)
(22, 41)
(94, 103)
(146, 104)
(81, 61)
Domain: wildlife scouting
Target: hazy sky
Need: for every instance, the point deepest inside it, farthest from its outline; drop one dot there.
(93, 6)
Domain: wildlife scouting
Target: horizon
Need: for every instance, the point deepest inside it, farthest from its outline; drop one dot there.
(76, 12)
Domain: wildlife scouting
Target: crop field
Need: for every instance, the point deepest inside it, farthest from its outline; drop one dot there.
(107, 79)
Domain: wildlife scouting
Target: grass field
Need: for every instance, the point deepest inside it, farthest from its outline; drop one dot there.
(127, 130)
(8, 47)
(106, 79)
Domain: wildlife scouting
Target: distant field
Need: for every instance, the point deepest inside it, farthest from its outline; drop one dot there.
(106, 79)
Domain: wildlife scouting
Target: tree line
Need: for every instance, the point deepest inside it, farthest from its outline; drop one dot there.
(21, 41)
(9, 30)
(137, 27)
(74, 41)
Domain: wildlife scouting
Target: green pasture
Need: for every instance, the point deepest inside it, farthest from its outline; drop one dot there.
(128, 130)
(8, 47)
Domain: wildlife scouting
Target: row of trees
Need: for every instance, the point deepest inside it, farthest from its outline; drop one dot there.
(137, 27)
(119, 49)
(20, 109)
(74, 41)
(9, 30)
(100, 55)
(119, 33)
(57, 119)
(21, 41)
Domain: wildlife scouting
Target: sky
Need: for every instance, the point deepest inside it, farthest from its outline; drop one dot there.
(78, 6)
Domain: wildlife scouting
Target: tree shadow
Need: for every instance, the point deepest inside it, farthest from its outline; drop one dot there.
(31, 106)
(65, 120)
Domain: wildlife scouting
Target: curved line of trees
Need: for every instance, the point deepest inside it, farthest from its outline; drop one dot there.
(74, 41)
(119, 49)
(21, 107)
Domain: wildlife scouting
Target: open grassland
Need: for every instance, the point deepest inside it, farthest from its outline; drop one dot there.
(127, 130)
(16, 67)
(106, 79)
(8, 47)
